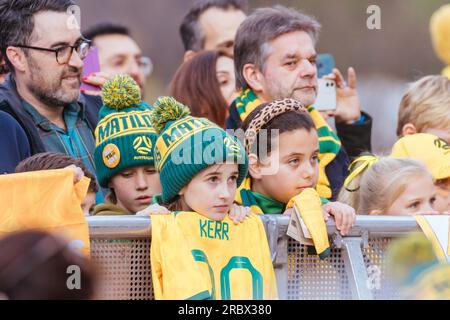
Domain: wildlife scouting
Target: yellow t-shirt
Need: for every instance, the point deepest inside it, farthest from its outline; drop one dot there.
(194, 257)
(46, 201)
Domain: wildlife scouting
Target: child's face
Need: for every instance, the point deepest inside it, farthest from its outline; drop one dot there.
(88, 204)
(418, 198)
(442, 203)
(211, 192)
(135, 187)
(297, 156)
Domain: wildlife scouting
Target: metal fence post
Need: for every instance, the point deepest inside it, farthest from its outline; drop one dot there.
(276, 229)
(354, 265)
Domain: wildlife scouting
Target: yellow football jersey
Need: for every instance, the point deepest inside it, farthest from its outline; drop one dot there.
(194, 257)
(47, 201)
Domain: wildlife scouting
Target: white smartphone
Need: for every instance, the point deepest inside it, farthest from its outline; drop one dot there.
(326, 98)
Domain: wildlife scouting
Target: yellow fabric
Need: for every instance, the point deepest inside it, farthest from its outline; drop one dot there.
(446, 72)
(432, 151)
(189, 250)
(440, 33)
(175, 273)
(109, 209)
(309, 205)
(46, 201)
(437, 230)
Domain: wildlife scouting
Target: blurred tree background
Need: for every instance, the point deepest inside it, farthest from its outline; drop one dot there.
(385, 60)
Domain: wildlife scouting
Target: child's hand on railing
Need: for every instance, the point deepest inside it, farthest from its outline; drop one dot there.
(239, 213)
(344, 216)
(153, 210)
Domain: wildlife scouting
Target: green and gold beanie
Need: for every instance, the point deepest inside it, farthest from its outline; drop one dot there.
(187, 145)
(124, 136)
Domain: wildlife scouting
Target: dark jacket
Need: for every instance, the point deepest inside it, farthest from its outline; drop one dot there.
(355, 138)
(10, 102)
(14, 146)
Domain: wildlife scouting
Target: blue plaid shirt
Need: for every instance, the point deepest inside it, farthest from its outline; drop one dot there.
(78, 141)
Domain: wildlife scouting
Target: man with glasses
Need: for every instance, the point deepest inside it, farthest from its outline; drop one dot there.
(44, 54)
(119, 53)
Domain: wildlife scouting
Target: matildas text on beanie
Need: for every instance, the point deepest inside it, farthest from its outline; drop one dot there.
(187, 145)
(124, 136)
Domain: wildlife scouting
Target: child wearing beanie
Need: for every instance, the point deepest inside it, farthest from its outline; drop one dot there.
(124, 153)
(195, 248)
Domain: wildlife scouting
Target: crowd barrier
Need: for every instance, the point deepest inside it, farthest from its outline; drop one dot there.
(120, 246)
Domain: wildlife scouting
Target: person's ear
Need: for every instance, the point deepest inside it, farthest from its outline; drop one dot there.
(188, 55)
(254, 77)
(409, 129)
(17, 58)
(254, 167)
(376, 213)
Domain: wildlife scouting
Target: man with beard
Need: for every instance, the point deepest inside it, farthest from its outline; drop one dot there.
(44, 52)
(275, 58)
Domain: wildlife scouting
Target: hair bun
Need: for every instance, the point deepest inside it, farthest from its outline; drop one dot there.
(167, 109)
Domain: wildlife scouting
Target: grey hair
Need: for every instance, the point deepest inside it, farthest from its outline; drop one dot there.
(260, 28)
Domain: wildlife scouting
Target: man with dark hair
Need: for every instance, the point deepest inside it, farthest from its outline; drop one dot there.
(119, 53)
(275, 58)
(212, 25)
(44, 53)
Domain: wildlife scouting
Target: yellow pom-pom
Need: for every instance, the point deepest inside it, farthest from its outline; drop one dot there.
(407, 254)
(121, 92)
(167, 109)
(440, 32)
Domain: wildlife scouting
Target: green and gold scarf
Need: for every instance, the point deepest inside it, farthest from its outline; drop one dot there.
(308, 203)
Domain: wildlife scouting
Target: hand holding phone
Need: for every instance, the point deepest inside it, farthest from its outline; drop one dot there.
(326, 98)
(91, 65)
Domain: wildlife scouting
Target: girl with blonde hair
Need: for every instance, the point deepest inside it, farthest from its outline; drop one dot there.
(388, 186)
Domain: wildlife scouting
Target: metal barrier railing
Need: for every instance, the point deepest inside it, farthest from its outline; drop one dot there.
(355, 269)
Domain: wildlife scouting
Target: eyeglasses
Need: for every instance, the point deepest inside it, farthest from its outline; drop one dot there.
(63, 54)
